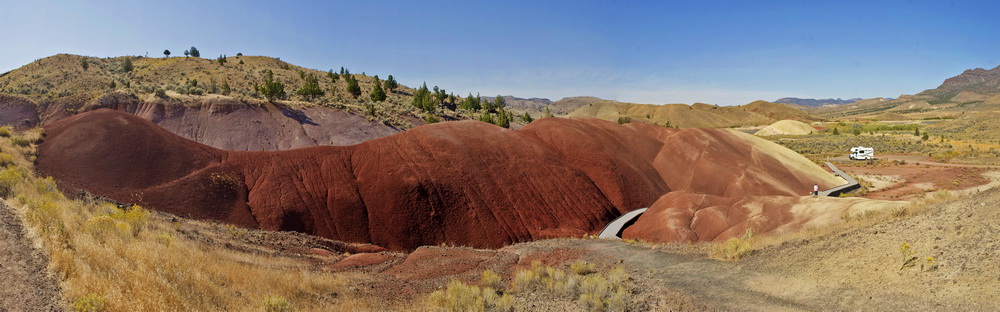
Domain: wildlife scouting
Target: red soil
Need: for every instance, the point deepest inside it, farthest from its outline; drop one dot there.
(464, 183)
(914, 179)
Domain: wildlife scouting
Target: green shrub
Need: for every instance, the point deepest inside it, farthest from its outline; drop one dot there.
(165, 238)
(8, 180)
(581, 267)
(430, 118)
(21, 141)
(5, 131)
(461, 297)
(135, 217)
(103, 226)
(487, 118)
(90, 303)
(6, 160)
(276, 304)
(490, 279)
(43, 212)
(610, 292)
(733, 249)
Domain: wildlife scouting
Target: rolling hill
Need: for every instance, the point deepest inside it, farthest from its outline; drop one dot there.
(815, 102)
(698, 115)
(214, 101)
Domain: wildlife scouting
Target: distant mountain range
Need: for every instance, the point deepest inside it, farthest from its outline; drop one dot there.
(815, 102)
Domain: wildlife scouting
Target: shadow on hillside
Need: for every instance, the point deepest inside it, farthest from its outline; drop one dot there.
(298, 115)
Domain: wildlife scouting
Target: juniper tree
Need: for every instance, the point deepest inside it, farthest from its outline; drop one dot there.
(422, 99)
(391, 84)
(310, 89)
(127, 65)
(378, 95)
(271, 89)
(526, 118)
(333, 76)
(352, 85)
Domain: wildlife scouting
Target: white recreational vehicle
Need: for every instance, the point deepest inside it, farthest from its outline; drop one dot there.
(862, 153)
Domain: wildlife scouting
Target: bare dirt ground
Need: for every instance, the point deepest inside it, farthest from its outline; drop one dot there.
(856, 266)
(26, 283)
(905, 177)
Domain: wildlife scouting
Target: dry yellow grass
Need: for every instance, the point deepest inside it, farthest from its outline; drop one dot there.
(115, 259)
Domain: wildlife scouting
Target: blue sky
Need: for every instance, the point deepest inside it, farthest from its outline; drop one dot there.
(719, 52)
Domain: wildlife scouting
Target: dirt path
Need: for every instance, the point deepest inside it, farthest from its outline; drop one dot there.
(25, 283)
(852, 269)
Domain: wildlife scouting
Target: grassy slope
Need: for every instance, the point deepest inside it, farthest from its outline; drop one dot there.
(130, 259)
(62, 80)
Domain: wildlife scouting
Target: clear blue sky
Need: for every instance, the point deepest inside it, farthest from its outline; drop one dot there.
(720, 52)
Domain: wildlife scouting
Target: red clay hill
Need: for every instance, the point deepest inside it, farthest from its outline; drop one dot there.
(463, 183)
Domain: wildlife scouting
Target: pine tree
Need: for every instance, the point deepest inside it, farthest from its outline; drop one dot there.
(310, 90)
(526, 118)
(547, 113)
(332, 75)
(226, 89)
(271, 89)
(391, 84)
(352, 85)
(166, 53)
(422, 99)
(503, 118)
(195, 52)
(499, 103)
(187, 53)
(127, 65)
(84, 64)
(470, 103)
(378, 95)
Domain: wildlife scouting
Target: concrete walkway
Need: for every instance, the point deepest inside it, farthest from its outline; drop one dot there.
(615, 228)
(851, 185)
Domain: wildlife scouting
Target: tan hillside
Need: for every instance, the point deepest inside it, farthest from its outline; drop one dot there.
(779, 111)
(570, 104)
(786, 127)
(216, 103)
(698, 115)
(60, 78)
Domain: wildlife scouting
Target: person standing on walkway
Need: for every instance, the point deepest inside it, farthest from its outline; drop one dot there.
(815, 189)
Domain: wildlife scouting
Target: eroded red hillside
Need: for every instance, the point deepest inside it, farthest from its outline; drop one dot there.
(464, 183)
